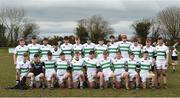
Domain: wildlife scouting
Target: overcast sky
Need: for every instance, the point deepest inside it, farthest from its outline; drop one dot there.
(59, 17)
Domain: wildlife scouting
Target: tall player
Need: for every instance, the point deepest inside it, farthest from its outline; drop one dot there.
(112, 47)
(77, 46)
(135, 48)
(162, 56)
(34, 48)
(100, 48)
(44, 49)
(55, 50)
(87, 47)
(67, 48)
(124, 46)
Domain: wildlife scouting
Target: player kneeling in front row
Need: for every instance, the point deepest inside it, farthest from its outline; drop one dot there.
(105, 64)
(77, 74)
(37, 68)
(132, 65)
(146, 73)
(62, 75)
(119, 70)
(90, 63)
(50, 72)
(23, 70)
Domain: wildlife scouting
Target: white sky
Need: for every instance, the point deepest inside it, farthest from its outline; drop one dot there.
(59, 17)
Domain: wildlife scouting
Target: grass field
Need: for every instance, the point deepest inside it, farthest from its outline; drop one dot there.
(7, 78)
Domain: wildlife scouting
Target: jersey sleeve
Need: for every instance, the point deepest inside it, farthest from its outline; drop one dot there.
(15, 50)
(18, 65)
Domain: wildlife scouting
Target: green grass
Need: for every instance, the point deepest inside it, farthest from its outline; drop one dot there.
(7, 78)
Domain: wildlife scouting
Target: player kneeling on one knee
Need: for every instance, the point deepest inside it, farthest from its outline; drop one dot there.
(132, 63)
(90, 62)
(23, 70)
(77, 74)
(105, 64)
(145, 67)
(37, 68)
(119, 70)
(50, 73)
(63, 73)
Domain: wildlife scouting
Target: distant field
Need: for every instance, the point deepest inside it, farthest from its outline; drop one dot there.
(7, 78)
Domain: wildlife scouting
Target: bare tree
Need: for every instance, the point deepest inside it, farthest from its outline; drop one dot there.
(96, 27)
(17, 24)
(169, 19)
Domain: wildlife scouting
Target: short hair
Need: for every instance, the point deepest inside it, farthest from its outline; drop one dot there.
(55, 43)
(21, 39)
(124, 36)
(148, 40)
(61, 54)
(145, 52)
(160, 38)
(25, 54)
(66, 38)
(112, 36)
(131, 53)
(77, 52)
(118, 51)
(77, 38)
(92, 52)
(34, 37)
(36, 55)
(135, 40)
(101, 39)
(49, 53)
(45, 39)
(105, 52)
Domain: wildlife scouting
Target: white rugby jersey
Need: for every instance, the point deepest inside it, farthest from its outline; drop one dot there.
(61, 65)
(87, 48)
(55, 53)
(124, 48)
(49, 64)
(33, 49)
(161, 52)
(136, 50)
(78, 48)
(145, 65)
(99, 50)
(112, 49)
(105, 64)
(77, 64)
(67, 50)
(90, 63)
(150, 50)
(118, 64)
(24, 66)
(44, 49)
(131, 65)
(19, 51)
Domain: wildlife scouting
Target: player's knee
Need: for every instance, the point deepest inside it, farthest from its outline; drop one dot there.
(164, 74)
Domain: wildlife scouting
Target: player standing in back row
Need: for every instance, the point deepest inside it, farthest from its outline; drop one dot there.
(162, 53)
(124, 46)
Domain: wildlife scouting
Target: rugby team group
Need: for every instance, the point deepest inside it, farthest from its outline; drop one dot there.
(117, 64)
